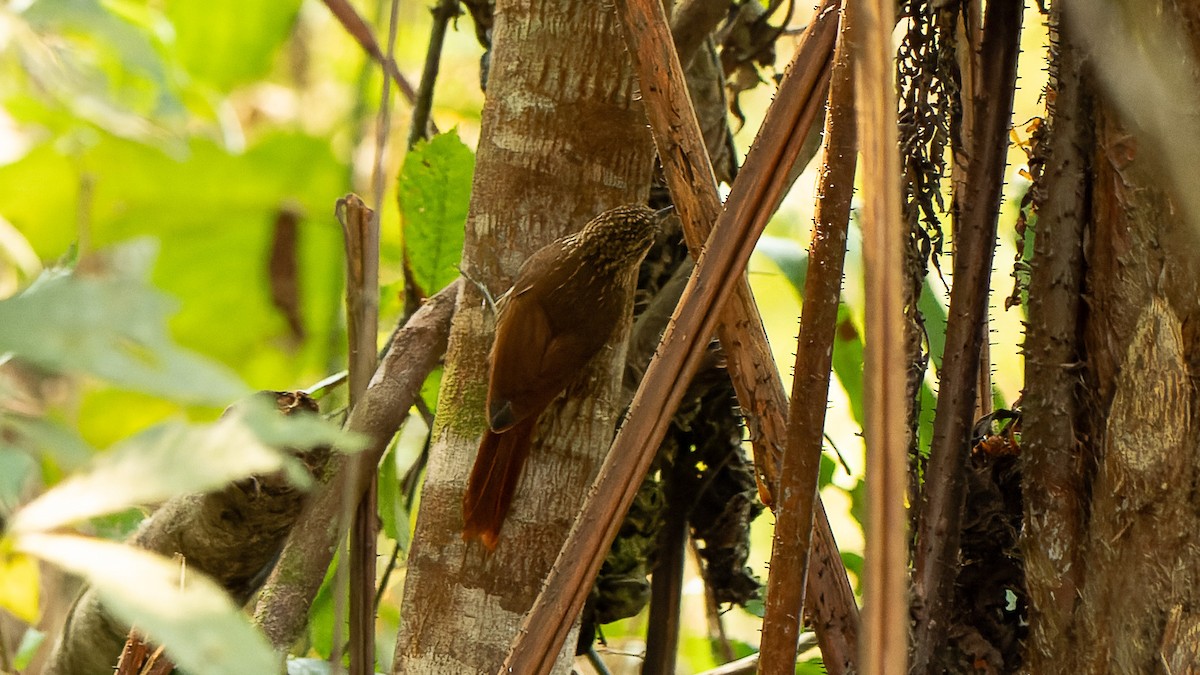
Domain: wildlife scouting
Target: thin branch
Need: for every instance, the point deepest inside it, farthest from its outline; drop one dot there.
(940, 525)
(360, 226)
(722, 649)
(885, 613)
(419, 127)
(282, 609)
(364, 530)
(666, 589)
(747, 665)
(799, 477)
(719, 270)
(393, 559)
(358, 29)
(408, 487)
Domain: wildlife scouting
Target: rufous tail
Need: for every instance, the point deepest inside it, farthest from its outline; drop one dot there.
(494, 481)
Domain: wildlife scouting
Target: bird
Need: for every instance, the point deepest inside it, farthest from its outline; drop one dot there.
(566, 302)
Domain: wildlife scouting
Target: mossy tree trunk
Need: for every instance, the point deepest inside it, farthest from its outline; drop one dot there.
(563, 138)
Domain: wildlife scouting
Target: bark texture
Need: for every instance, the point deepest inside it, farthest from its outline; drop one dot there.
(1053, 458)
(1141, 344)
(1111, 450)
(563, 138)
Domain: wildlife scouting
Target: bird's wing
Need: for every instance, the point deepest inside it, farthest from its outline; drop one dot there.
(522, 335)
(531, 363)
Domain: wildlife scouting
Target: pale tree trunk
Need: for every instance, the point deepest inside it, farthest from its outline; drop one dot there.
(1111, 450)
(563, 138)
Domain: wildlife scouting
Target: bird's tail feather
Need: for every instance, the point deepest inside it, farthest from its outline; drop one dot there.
(493, 481)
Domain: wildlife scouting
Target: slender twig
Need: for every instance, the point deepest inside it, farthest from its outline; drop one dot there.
(722, 649)
(411, 477)
(597, 662)
(408, 486)
(426, 415)
(662, 633)
(885, 597)
(961, 161)
(387, 575)
(365, 527)
(945, 486)
(799, 476)
(747, 665)
(361, 228)
(327, 384)
(361, 32)
(384, 127)
(420, 127)
(357, 129)
(443, 12)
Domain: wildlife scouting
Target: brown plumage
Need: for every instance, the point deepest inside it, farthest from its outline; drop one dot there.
(567, 299)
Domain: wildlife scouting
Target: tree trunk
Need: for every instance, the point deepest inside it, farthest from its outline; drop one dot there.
(563, 138)
(1111, 450)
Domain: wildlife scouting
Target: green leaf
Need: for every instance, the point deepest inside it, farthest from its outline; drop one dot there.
(828, 467)
(431, 388)
(848, 362)
(792, 261)
(928, 403)
(105, 320)
(789, 256)
(213, 212)
(853, 563)
(434, 193)
(391, 509)
(197, 624)
(755, 607)
(230, 42)
(321, 614)
(165, 461)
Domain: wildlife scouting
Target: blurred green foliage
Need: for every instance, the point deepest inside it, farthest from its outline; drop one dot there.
(101, 318)
(192, 130)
